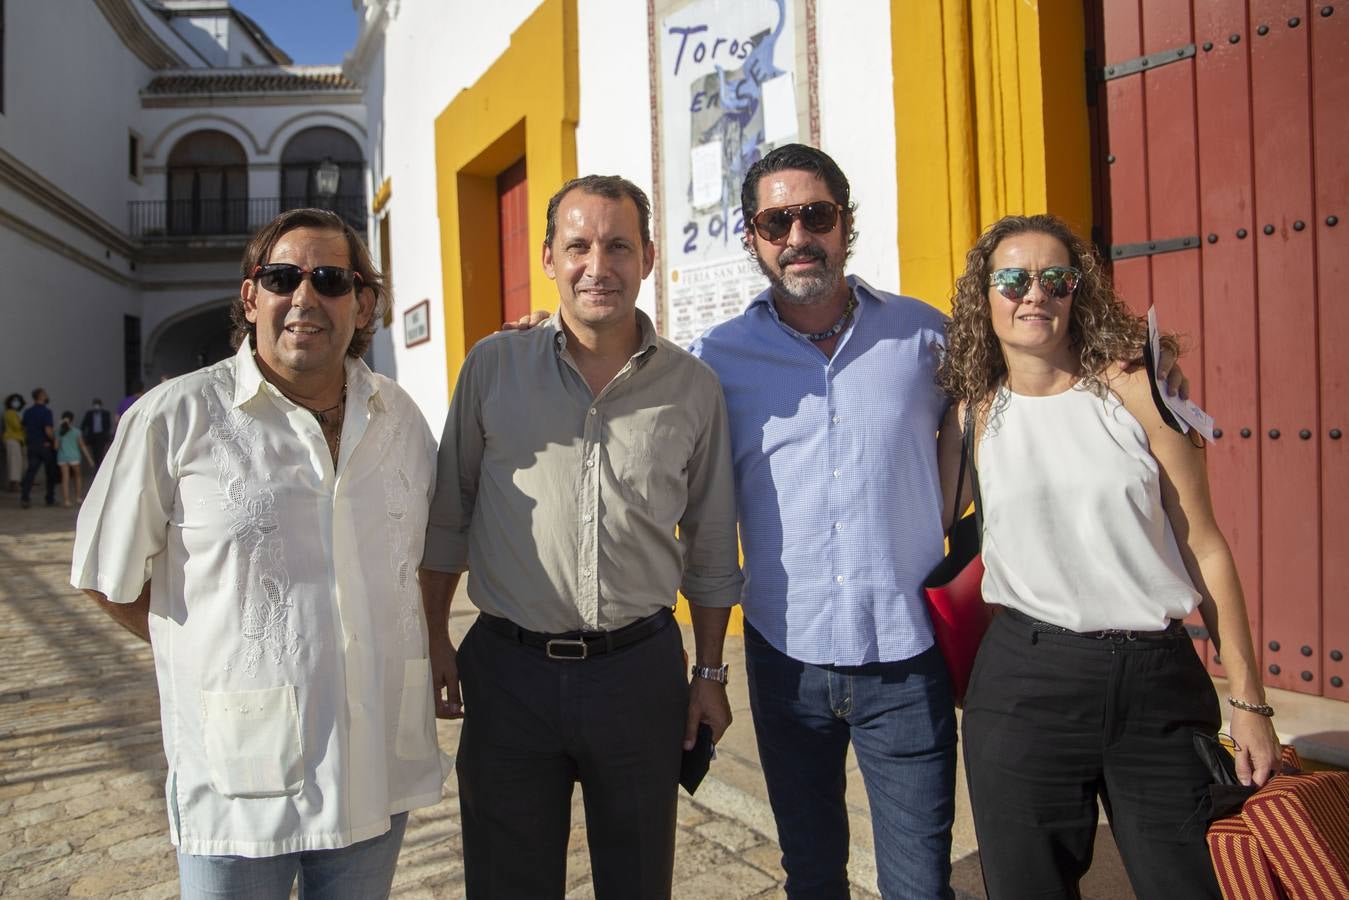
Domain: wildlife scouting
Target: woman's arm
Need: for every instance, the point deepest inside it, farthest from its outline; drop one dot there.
(949, 441)
(1186, 498)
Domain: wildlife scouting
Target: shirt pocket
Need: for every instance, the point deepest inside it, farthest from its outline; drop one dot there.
(252, 738)
(655, 467)
(416, 737)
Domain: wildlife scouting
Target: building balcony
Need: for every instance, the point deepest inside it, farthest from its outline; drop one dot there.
(230, 221)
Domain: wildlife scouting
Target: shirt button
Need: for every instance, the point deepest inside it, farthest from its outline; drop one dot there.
(590, 464)
(838, 473)
(589, 517)
(593, 411)
(837, 419)
(838, 526)
(838, 578)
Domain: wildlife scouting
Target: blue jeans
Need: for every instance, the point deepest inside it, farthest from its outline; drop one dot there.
(359, 872)
(901, 721)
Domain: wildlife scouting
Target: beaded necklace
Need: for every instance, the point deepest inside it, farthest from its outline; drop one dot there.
(842, 323)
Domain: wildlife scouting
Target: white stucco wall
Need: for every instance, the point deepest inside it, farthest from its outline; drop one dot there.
(62, 326)
(208, 35)
(419, 80)
(67, 288)
(613, 135)
(857, 126)
(71, 124)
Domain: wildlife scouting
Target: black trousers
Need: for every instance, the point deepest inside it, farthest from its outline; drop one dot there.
(1052, 722)
(40, 458)
(98, 446)
(533, 727)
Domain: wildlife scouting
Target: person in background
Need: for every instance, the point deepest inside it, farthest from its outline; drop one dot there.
(70, 447)
(137, 390)
(1098, 539)
(40, 439)
(14, 440)
(96, 426)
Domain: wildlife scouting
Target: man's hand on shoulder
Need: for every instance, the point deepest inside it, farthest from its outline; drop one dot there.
(707, 703)
(1168, 369)
(527, 321)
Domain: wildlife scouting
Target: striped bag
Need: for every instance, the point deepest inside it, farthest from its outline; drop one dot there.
(1291, 840)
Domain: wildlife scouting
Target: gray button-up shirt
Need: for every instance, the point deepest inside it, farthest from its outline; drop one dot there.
(563, 505)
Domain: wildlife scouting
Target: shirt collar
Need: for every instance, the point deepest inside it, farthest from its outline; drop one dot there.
(558, 335)
(248, 380)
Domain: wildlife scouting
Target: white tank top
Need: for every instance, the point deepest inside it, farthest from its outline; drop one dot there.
(1074, 529)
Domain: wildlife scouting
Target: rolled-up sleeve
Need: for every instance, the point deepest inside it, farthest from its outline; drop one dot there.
(458, 464)
(123, 523)
(707, 529)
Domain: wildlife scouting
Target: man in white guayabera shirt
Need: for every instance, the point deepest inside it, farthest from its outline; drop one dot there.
(260, 522)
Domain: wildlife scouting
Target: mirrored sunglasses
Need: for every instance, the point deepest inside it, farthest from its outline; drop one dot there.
(773, 224)
(284, 278)
(1056, 281)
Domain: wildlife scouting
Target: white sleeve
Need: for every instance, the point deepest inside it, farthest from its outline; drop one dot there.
(123, 523)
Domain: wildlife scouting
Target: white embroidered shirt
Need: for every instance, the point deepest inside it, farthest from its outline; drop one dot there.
(285, 615)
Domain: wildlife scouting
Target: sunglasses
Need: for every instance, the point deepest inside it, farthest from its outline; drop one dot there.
(1056, 281)
(773, 224)
(284, 278)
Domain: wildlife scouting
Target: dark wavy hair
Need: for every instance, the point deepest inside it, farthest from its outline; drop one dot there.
(611, 187)
(261, 246)
(1102, 329)
(799, 158)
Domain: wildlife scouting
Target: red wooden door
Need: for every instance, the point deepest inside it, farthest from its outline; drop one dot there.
(513, 215)
(1220, 132)
(1330, 235)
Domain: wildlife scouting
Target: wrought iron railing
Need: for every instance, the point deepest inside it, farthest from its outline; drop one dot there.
(151, 219)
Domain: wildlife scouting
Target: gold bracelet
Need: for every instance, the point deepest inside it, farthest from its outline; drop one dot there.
(1260, 709)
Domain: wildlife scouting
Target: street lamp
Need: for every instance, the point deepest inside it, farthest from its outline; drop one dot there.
(326, 178)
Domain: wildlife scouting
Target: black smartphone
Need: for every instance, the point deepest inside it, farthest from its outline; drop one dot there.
(694, 765)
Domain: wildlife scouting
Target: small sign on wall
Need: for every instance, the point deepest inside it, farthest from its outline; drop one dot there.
(417, 324)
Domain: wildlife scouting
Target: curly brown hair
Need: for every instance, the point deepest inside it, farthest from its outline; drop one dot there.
(259, 249)
(1102, 329)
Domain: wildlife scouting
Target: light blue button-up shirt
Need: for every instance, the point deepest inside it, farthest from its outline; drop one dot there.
(836, 475)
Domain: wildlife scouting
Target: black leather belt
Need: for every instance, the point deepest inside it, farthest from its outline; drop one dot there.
(1175, 629)
(578, 644)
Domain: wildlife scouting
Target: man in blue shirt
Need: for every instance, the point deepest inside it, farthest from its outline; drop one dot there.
(37, 426)
(834, 413)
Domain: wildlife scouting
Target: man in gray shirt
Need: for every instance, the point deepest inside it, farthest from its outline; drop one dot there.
(571, 454)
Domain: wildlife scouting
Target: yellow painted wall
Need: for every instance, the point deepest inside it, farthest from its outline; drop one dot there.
(526, 104)
(990, 119)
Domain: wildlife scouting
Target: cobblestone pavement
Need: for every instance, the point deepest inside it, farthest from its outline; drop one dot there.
(82, 767)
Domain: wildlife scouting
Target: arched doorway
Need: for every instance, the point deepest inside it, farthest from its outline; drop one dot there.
(195, 339)
(308, 163)
(207, 185)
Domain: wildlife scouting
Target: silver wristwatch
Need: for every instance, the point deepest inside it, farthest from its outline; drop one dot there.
(712, 673)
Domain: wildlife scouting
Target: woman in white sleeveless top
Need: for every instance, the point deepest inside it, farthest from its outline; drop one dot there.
(1098, 538)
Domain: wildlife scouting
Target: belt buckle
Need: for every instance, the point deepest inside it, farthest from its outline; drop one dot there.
(551, 649)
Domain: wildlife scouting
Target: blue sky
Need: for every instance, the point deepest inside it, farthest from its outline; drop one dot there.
(312, 32)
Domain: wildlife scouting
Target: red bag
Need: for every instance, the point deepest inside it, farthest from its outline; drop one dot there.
(954, 589)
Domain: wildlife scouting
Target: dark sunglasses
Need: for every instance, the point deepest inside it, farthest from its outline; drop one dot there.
(284, 278)
(773, 224)
(1056, 281)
